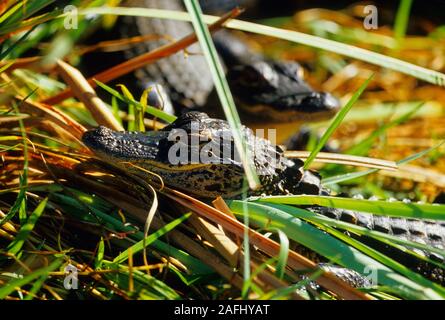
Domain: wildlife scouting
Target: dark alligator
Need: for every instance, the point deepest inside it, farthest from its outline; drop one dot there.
(217, 171)
(267, 92)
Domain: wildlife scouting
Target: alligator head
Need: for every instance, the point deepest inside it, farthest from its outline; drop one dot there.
(271, 90)
(197, 154)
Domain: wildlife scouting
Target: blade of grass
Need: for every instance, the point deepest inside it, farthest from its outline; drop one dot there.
(23, 10)
(286, 291)
(12, 286)
(346, 177)
(284, 252)
(10, 12)
(35, 287)
(248, 284)
(378, 207)
(420, 154)
(364, 145)
(402, 19)
(156, 289)
(337, 158)
(223, 90)
(20, 202)
(354, 175)
(115, 109)
(246, 246)
(6, 66)
(144, 103)
(131, 108)
(15, 19)
(98, 260)
(384, 237)
(150, 239)
(15, 246)
(335, 123)
(11, 47)
(150, 110)
(29, 23)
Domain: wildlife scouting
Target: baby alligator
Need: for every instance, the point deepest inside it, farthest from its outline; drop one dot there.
(196, 154)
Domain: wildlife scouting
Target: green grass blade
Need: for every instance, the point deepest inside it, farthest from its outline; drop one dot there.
(21, 197)
(346, 177)
(384, 237)
(151, 238)
(115, 109)
(355, 175)
(30, 23)
(223, 90)
(14, 45)
(378, 207)
(150, 110)
(283, 254)
(131, 107)
(335, 123)
(6, 66)
(402, 19)
(22, 11)
(20, 202)
(11, 286)
(418, 72)
(10, 12)
(246, 247)
(249, 284)
(286, 291)
(98, 260)
(363, 147)
(36, 287)
(146, 286)
(420, 154)
(16, 245)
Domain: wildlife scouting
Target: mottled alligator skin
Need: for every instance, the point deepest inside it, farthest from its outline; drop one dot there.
(428, 232)
(421, 231)
(224, 175)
